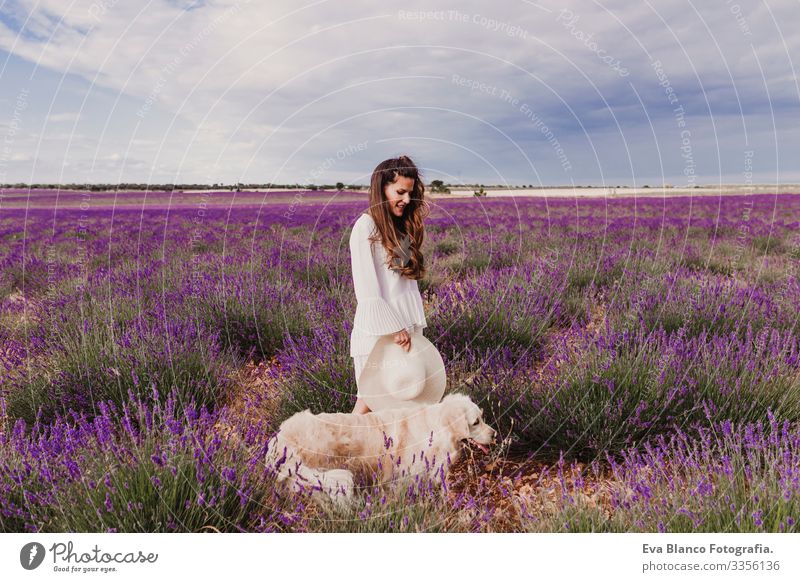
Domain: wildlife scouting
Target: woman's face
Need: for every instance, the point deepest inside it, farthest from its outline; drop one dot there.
(398, 194)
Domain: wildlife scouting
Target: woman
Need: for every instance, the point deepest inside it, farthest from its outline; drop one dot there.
(387, 263)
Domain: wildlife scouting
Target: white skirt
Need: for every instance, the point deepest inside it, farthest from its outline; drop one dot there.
(360, 361)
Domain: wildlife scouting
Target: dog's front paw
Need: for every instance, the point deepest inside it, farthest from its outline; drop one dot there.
(340, 484)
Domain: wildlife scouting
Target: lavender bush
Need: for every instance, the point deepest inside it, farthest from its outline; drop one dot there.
(641, 337)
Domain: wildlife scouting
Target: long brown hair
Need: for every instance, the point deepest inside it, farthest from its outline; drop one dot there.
(391, 229)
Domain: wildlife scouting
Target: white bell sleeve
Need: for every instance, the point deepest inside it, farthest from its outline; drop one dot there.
(374, 315)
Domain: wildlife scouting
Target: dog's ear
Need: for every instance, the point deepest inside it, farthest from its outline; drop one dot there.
(454, 417)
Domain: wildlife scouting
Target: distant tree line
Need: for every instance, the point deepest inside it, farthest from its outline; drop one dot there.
(238, 187)
(435, 186)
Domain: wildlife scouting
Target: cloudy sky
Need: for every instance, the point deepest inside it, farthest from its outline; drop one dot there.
(512, 92)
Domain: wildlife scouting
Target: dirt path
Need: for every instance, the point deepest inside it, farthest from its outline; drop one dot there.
(519, 490)
(253, 399)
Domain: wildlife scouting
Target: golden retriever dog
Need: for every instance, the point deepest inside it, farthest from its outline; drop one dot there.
(321, 452)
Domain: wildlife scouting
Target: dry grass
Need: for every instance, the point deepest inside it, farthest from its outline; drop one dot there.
(524, 489)
(252, 400)
(18, 313)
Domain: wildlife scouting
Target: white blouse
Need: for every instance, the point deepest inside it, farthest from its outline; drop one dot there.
(387, 302)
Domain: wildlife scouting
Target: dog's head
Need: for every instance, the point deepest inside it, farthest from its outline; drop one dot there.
(464, 420)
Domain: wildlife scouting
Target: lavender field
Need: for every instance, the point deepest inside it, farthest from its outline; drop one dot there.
(639, 357)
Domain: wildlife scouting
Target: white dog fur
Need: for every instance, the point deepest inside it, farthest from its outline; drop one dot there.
(321, 452)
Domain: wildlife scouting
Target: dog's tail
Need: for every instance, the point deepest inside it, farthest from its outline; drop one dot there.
(337, 484)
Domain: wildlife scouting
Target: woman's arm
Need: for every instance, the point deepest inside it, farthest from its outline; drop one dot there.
(374, 315)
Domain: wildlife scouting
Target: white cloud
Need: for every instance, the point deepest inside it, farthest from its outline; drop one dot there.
(262, 88)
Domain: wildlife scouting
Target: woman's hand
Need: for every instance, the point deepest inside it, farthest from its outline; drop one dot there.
(403, 339)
